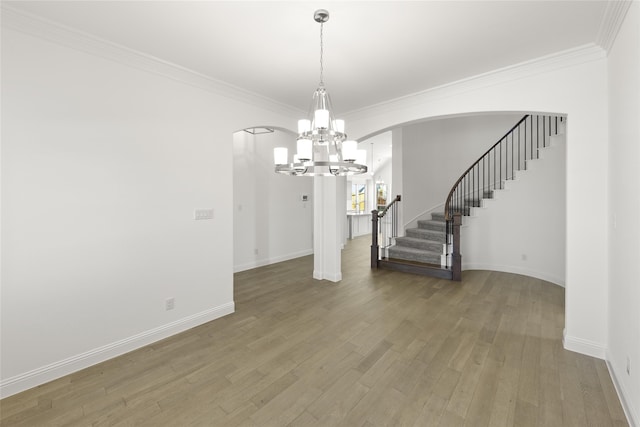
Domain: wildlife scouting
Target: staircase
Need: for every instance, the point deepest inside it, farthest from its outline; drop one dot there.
(422, 244)
(423, 249)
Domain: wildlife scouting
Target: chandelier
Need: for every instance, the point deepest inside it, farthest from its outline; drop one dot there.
(322, 145)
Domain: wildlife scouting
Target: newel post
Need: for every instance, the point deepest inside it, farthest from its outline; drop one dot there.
(456, 262)
(374, 239)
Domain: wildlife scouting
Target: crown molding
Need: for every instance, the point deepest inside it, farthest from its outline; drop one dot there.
(612, 20)
(70, 37)
(556, 61)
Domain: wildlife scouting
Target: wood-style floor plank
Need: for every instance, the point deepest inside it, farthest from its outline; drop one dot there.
(379, 348)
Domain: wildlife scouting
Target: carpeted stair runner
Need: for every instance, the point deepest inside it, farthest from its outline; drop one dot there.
(422, 244)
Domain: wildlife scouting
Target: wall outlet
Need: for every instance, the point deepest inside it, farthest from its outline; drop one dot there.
(200, 214)
(169, 304)
(255, 251)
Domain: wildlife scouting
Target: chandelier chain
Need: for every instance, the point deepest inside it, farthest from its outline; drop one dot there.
(321, 54)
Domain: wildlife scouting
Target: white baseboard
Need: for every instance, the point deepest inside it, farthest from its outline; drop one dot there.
(582, 346)
(273, 260)
(633, 417)
(75, 363)
(516, 270)
(335, 277)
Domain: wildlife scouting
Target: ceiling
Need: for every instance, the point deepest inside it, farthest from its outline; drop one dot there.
(374, 50)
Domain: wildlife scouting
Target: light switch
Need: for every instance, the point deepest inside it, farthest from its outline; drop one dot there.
(199, 214)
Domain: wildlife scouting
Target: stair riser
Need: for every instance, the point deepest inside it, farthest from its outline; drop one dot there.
(426, 234)
(425, 245)
(428, 258)
(432, 225)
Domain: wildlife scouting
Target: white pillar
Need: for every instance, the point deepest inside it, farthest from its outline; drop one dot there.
(329, 210)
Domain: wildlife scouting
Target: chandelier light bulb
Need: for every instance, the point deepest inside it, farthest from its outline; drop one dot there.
(321, 119)
(305, 149)
(349, 151)
(280, 155)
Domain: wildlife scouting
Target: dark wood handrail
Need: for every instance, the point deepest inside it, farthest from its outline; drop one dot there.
(384, 211)
(447, 214)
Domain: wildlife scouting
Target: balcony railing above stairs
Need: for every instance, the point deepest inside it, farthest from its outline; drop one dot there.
(494, 167)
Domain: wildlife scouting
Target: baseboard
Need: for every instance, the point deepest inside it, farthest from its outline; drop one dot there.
(582, 346)
(272, 260)
(320, 275)
(75, 363)
(633, 418)
(516, 270)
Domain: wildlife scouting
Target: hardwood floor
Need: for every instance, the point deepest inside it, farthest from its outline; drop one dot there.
(377, 348)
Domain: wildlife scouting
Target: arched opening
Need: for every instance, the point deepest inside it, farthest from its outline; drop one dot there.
(272, 213)
(430, 154)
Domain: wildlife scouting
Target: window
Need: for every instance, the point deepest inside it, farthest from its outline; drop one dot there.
(358, 197)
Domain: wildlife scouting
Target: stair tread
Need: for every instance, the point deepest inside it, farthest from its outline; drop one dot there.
(417, 239)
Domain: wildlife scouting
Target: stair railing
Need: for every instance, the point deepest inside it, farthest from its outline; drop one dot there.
(497, 165)
(384, 224)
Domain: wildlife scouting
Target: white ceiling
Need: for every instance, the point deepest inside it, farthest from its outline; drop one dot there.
(374, 50)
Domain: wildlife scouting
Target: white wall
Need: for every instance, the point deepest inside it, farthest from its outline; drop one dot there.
(522, 229)
(437, 152)
(397, 159)
(574, 83)
(624, 201)
(103, 163)
(271, 223)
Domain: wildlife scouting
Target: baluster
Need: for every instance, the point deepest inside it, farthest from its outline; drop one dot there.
(525, 123)
(531, 157)
(537, 136)
(512, 151)
(500, 168)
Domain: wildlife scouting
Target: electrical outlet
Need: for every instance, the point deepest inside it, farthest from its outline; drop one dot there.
(200, 214)
(169, 304)
(255, 251)
(628, 365)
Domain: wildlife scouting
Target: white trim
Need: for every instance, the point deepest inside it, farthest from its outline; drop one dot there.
(633, 418)
(556, 61)
(611, 22)
(514, 269)
(34, 25)
(75, 363)
(269, 261)
(582, 346)
(318, 275)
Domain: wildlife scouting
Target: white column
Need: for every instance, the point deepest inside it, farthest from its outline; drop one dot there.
(327, 227)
